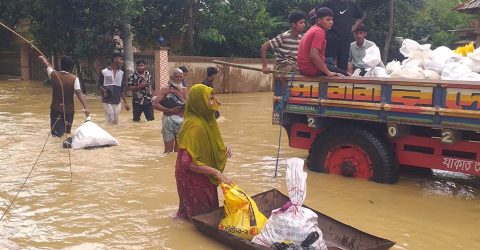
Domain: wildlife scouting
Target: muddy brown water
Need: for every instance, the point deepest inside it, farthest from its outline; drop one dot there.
(124, 197)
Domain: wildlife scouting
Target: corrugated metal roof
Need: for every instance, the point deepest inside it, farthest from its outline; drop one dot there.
(469, 6)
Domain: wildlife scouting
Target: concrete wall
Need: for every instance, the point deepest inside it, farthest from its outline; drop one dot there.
(229, 79)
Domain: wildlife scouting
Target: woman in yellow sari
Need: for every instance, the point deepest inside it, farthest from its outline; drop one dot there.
(202, 155)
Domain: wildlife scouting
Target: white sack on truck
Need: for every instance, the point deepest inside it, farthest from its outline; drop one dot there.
(372, 56)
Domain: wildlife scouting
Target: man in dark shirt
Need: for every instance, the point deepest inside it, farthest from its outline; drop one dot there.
(348, 16)
(185, 73)
(140, 85)
(211, 73)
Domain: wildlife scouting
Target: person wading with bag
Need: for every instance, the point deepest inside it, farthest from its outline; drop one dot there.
(171, 101)
(64, 85)
(202, 155)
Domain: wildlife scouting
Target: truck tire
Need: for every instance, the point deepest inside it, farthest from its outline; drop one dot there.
(353, 152)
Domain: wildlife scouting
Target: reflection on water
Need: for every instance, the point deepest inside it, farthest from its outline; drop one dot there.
(124, 197)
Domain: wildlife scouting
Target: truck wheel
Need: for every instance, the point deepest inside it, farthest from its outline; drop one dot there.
(353, 152)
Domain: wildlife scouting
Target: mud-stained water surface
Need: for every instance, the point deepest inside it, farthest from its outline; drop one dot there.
(124, 197)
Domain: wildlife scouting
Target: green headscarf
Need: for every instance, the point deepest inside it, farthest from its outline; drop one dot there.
(199, 134)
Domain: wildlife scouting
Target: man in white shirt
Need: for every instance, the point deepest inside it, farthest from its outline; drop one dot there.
(112, 83)
(357, 51)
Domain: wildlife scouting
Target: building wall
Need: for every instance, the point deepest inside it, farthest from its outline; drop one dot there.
(228, 80)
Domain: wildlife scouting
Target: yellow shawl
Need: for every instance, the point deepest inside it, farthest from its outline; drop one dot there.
(199, 134)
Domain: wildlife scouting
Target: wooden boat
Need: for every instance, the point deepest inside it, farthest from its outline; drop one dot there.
(336, 234)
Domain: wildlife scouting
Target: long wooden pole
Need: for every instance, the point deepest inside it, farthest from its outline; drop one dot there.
(23, 38)
(248, 67)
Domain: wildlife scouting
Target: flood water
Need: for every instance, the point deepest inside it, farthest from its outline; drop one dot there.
(124, 197)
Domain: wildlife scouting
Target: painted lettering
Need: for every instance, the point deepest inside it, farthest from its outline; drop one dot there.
(412, 95)
(466, 166)
(462, 98)
(354, 92)
(308, 89)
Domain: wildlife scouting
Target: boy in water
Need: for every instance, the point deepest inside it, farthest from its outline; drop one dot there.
(64, 84)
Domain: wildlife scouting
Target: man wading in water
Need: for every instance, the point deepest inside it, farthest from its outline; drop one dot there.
(171, 100)
(112, 84)
(139, 84)
(62, 101)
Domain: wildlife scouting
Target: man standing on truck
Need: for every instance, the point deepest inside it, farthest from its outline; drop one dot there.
(357, 51)
(348, 16)
(285, 45)
(311, 53)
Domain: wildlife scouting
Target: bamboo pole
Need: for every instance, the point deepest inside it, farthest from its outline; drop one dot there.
(23, 38)
(249, 67)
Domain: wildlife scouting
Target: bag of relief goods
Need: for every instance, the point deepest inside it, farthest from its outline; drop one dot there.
(440, 57)
(293, 226)
(372, 56)
(431, 74)
(393, 67)
(410, 71)
(473, 61)
(90, 135)
(376, 72)
(455, 71)
(242, 217)
(410, 48)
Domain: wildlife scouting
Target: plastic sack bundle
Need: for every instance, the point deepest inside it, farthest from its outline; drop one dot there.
(293, 224)
(440, 57)
(372, 56)
(242, 217)
(376, 72)
(410, 48)
(90, 135)
(455, 71)
(393, 67)
(431, 74)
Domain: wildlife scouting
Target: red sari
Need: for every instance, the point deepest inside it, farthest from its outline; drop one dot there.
(197, 194)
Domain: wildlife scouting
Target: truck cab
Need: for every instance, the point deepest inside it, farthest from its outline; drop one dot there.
(367, 127)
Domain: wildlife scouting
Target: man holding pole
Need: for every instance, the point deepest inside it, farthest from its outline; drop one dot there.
(64, 84)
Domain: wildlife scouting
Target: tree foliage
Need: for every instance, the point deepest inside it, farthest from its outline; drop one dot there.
(84, 28)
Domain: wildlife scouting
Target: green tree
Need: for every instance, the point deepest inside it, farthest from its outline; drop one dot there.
(12, 12)
(234, 28)
(160, 18)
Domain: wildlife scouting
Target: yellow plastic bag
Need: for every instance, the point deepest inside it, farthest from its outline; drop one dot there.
(465, 50)
(242, 217)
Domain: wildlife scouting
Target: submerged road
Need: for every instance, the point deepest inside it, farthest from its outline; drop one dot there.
(124, 197)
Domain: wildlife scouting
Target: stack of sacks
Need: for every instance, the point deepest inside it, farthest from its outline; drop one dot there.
(440, 63)
(373, 58)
